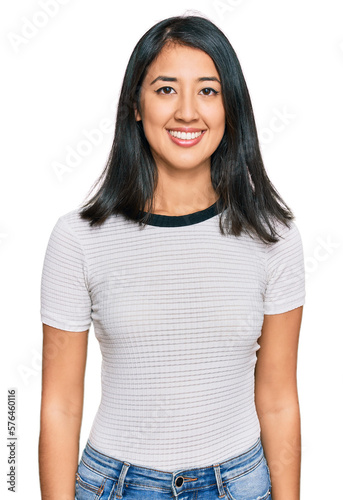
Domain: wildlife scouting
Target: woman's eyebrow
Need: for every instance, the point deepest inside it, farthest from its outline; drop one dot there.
(172, 79)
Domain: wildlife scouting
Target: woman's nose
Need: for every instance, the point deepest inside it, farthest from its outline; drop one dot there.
(186, 108)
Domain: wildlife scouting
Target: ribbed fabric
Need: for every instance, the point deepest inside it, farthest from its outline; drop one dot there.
(177, 308)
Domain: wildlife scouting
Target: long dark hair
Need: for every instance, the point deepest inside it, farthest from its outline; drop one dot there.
(248, 200)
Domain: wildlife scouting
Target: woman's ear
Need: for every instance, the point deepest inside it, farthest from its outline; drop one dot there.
(137, 113)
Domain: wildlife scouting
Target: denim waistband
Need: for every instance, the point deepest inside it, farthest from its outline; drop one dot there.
(179, 480)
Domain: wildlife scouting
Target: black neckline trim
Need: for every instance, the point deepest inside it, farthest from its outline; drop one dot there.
(182, 220)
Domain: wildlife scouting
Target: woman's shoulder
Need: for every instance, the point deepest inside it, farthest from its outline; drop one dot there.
(289, 246)
(74, 220)
(72, 225)
(286, 234)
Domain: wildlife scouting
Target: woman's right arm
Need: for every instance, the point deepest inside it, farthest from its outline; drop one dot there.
(63, 369)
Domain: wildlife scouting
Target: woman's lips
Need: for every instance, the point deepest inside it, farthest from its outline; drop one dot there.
(186, 143)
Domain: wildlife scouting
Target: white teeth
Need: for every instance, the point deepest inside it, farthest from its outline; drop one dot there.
(184, 135)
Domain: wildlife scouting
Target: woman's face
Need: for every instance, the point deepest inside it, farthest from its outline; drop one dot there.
(181, 94)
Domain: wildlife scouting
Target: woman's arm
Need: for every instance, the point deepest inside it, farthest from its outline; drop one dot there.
(63, 369)
(277, 403)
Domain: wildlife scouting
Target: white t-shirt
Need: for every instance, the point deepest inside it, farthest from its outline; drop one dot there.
(177, 308)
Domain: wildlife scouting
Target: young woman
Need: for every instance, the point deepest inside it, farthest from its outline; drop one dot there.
(190, 266)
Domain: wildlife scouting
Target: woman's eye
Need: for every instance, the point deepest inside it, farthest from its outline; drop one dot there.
(164, 90)
(209, 90)
(169, 90)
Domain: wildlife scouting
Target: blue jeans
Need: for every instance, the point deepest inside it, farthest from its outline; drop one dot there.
(245, 477)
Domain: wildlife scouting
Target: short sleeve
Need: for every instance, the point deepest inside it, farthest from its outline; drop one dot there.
(65, 300)
(285, 287)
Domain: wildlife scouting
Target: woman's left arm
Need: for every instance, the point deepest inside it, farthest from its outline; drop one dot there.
(277, 404)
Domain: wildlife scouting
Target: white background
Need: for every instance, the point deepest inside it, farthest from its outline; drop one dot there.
(63, 78)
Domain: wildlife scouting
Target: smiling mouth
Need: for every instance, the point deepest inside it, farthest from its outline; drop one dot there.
(185, 135)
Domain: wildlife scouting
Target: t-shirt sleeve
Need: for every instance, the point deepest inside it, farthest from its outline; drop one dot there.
(65, 299)
(285, 288)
